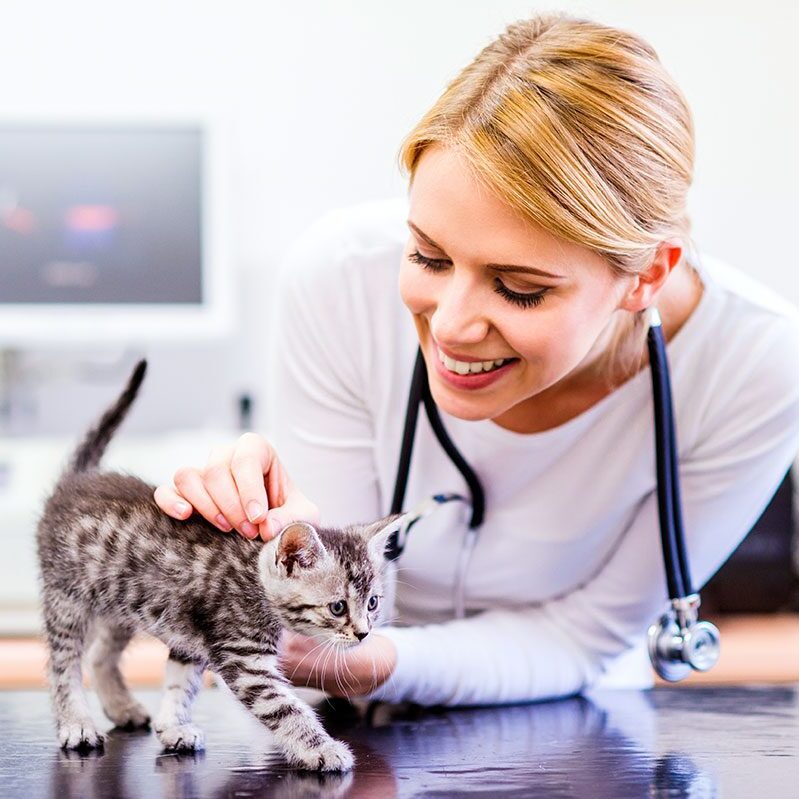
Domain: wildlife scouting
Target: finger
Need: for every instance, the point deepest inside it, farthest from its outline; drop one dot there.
(189, 483)
(287, 503)
(278, 487)
(297, 508)
(171, 502)
(252, 459)
(278, 484)
(221, 487)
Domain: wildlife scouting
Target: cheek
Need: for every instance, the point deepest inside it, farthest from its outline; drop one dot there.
(534, 335)
(550, 342)
(414, 288)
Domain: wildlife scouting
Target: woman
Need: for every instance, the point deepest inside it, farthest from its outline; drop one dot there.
(546, 214)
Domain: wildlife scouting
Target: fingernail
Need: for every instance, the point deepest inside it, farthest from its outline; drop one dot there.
(249, 530)
(182, 507)
(222, 522)
(275, 525)
(254, 511)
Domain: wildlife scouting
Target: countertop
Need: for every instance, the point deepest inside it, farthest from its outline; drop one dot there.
(665, 742)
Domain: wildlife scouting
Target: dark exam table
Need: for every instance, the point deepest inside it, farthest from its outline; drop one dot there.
(700, 742)
(666, 742)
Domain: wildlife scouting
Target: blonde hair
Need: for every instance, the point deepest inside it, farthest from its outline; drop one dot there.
(579, 128)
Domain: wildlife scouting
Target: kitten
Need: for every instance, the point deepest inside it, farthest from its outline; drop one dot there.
(113, 563)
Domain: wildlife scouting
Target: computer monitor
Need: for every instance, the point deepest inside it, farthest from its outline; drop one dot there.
(112, 232)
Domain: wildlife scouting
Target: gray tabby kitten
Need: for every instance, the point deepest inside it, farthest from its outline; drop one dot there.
(113, 563)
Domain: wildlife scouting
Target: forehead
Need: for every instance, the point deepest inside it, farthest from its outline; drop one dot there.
(471, 222)
(352, 554)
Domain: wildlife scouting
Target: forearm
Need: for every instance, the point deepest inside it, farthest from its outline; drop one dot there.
(498, 657)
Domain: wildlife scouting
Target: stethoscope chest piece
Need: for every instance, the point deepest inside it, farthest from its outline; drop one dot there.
(679, 643)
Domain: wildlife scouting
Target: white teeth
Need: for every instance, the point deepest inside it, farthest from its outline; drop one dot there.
(470, 367)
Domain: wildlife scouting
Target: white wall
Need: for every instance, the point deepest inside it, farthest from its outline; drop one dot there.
(318, 95)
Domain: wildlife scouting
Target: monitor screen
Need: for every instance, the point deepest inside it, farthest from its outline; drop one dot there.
(101, 215)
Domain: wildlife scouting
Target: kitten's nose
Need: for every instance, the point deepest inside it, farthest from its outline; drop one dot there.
(361, 636)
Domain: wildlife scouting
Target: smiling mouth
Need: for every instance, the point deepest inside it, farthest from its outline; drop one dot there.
(471, 367)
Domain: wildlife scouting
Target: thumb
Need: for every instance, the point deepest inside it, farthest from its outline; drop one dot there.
(275, 521)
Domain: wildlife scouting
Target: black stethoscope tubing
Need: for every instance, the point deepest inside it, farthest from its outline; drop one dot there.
(420, 393)
(675, 558)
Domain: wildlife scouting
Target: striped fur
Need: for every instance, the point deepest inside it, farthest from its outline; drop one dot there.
(113, 564)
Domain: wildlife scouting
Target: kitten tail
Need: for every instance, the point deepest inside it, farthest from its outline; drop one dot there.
(87, 455)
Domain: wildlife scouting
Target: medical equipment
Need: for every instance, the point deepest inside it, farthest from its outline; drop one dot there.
(678, 642)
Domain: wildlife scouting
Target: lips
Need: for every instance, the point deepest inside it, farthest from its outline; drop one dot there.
(465, 358)
(475, 380)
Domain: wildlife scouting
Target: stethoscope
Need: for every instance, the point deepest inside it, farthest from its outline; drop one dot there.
(678, 641)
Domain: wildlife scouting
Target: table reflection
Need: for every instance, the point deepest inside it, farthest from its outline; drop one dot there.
(699, 742)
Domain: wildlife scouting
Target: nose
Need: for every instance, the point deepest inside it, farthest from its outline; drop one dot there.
(459, 317)
(361, 636)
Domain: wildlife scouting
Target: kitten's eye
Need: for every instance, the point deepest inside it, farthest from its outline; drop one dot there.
(338, 608)
(373, 603)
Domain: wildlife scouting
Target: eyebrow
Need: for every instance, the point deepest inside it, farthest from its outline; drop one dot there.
(530, 270)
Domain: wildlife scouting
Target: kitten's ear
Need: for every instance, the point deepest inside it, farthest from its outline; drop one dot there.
(299, 545)
(377, 533)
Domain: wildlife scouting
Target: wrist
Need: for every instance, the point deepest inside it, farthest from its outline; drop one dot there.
(367, 666)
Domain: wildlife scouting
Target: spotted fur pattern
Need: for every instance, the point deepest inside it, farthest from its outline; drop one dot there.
(112, 563)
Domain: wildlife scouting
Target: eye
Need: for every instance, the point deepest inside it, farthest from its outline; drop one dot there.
(338, 608)
(433, 264)
(374, 601)
(522, 300)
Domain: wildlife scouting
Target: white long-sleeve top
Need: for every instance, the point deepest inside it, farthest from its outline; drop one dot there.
(567, 571)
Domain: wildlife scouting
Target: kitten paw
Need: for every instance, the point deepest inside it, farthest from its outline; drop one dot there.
(80, 735)
(331, 756)
(181, 738)
(129, 717)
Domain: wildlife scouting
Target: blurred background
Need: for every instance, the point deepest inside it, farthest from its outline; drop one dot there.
(157, 159)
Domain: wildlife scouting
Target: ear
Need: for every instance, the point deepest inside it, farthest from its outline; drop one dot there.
(377, 533)
(299, 545)
(649, 282)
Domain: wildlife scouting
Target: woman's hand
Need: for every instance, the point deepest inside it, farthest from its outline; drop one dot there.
(312, 662)
(243, 487)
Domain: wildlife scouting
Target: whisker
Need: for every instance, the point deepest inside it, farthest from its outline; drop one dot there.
(383, 661)
(305, 656)
(330, 651)
(349, 672)
(336, 673)
(323, 656)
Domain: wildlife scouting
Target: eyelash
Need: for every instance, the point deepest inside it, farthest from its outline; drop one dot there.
(522, 300)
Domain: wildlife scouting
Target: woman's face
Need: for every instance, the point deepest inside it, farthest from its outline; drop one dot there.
(467, 278)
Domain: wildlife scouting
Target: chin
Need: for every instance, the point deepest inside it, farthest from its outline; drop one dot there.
(468, 411)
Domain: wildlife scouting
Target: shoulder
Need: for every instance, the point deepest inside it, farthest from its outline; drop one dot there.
(746, 317)
(742, 361)
(744, 292)
(341, 242)
(337, 306)
(753, 329)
